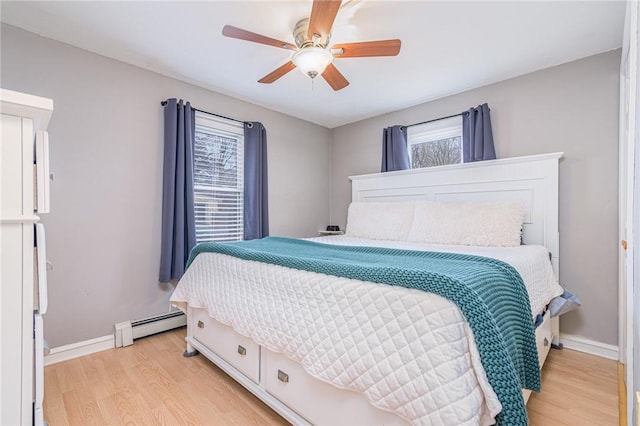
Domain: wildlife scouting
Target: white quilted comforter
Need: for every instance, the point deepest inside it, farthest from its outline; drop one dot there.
(407, 351)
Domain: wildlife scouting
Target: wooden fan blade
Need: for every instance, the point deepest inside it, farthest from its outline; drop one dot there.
(323, 13)
(335, 79)
(239, 33)
(368, 48)
(277, 73)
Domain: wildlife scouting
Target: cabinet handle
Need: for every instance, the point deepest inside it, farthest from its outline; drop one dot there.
(242, 350)
(283, 377)
(200, 324)
(546, 341)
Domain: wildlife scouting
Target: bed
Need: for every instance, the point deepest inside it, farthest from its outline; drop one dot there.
(325, 349)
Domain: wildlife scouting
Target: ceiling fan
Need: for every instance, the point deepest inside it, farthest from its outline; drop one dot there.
(310, 52)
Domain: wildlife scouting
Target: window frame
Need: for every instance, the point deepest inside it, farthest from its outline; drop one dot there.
(206, 123)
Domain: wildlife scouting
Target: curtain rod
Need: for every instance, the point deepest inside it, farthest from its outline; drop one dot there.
(163, 103)
(435, 119)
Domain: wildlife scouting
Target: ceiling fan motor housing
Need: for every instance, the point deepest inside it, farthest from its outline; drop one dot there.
(301, 39)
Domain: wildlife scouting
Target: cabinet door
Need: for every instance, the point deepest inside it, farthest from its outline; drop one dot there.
(16, 273)
(42, 172)
(11, 167)
(16, 167)
(10, 320)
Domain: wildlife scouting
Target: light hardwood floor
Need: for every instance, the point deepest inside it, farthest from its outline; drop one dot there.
(577, 389)
(151, 383)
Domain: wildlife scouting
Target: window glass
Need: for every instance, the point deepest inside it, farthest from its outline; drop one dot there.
(435, 144)
(218, 180)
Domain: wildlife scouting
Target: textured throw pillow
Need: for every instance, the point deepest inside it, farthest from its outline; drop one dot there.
(380, 220)
(473, 224)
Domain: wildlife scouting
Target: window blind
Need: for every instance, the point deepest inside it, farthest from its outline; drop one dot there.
(218, 183)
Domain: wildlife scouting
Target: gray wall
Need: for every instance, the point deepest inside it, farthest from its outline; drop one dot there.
(106, 136)
(103, 232)
(571, 108)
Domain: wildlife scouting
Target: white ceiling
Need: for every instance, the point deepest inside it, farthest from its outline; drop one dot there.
(447, 47)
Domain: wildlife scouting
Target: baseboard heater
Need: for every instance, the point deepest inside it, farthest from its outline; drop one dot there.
(127, 331)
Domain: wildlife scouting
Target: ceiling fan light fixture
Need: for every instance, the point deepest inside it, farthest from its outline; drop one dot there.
(312, 54)
(312, 61)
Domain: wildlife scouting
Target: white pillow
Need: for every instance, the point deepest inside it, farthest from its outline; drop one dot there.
(471, 224)
(380, 220)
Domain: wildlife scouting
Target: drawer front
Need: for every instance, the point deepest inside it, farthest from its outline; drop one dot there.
(239, 351)
(309, 397)
(543, 338)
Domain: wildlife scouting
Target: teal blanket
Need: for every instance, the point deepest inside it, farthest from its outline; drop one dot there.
(489, 292)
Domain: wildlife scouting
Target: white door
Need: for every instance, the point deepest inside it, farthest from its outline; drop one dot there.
(629, 303)
(633, 209)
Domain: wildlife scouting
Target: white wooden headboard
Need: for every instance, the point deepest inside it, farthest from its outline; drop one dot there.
(532, 180)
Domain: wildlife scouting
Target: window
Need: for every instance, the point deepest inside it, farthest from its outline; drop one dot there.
(436, 143)
(218, 179)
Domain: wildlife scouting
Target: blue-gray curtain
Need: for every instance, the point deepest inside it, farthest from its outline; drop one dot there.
(477, 137)
(256, 206)
(394, 149)
(178, 217)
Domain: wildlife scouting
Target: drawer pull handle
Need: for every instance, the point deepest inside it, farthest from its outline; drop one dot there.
(242, 350)
(546, 342)
(283, 377)
(200, 324)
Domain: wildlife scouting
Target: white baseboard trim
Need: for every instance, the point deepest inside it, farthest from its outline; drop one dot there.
(592, 347)
(87, 347)
(75, 350)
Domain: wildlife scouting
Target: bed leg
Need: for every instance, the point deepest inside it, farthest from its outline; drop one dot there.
(555, 333)
(191, 351)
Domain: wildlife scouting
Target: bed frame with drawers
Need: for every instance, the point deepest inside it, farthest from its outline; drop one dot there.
(302, 399)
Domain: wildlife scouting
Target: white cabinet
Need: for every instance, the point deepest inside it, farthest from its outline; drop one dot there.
(22, 386)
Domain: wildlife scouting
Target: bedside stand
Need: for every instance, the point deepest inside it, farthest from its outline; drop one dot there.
(325, 233)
